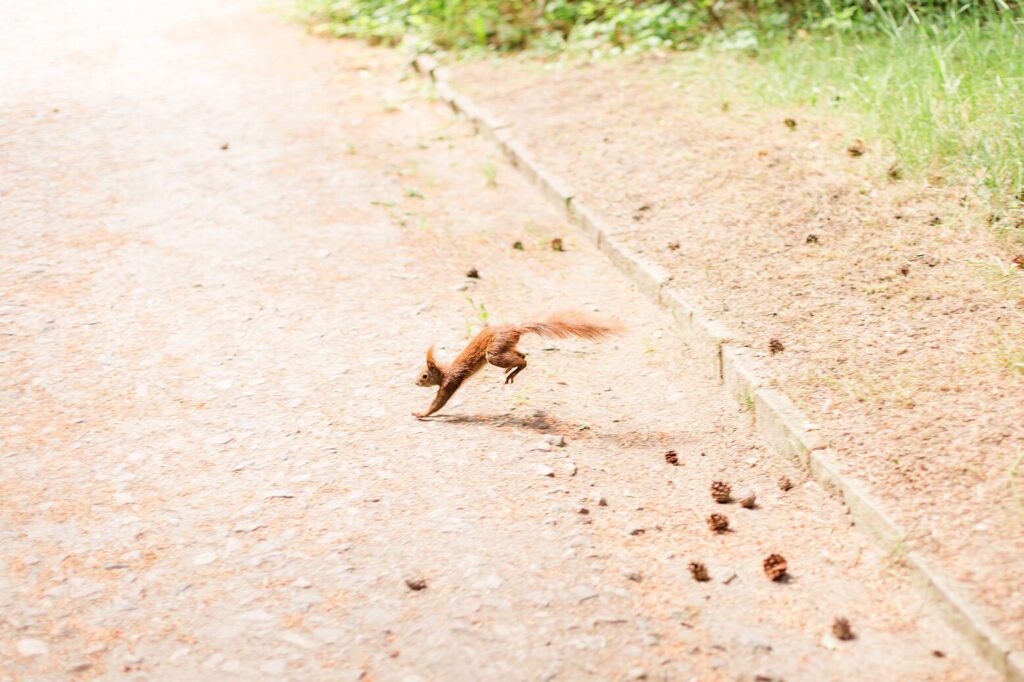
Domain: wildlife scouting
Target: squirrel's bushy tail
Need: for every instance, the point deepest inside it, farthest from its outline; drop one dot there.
(568, 323)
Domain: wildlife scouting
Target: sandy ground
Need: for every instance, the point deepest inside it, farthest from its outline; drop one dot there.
(899, 311)
(225, 248)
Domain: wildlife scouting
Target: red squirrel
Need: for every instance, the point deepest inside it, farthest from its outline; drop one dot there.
(497, 345)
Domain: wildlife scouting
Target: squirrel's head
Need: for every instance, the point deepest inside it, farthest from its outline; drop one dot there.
(431, 374)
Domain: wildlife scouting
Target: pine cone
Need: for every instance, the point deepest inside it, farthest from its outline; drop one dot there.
(812, 239)
(721, 492)
(699, 572)
(775, 566)
(841, 629)
(785, 484)
(719, 523)
(672, 458)
(775, 346)
(749, 502)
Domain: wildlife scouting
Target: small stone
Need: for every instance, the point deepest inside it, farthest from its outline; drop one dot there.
(416, 584)
(329, 635)
(857, 148)
(79, 667)
(634, 576)
(298, 640)
(32, 647)
(785, 484)
(602, 502)
(544, 470)
(302, 583)
(567, 468)
(556, 244)
(555, 439)
(583, 593)
(247, 526)
(748, 501)
(473, 273)
(699, 572)
(205, 558)
(790, 123)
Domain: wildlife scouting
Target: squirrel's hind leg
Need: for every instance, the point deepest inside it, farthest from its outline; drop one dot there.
(511, 359)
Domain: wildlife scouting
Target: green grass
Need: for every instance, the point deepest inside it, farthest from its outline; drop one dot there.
(947, 96)
(939, 82)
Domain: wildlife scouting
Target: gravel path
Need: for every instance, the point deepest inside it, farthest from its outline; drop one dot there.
(226, 246)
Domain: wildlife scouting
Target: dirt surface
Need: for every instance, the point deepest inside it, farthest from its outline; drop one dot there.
(226, 246)
(897, 312)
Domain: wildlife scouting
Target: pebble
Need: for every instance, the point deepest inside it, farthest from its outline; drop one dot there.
(303, 583)
(555, 439)
(329, 635)
(205, 558)
(582, 593)
(298, 640)
(79, 667)
(213, 661)
(567, 468)
(544, 470)
(32, 647)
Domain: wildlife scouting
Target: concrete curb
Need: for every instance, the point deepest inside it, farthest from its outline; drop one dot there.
(776, 418)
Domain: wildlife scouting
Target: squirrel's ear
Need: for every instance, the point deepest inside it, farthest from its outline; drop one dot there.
(431, 362)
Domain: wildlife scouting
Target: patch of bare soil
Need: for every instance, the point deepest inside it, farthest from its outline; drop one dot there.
(885, 307)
